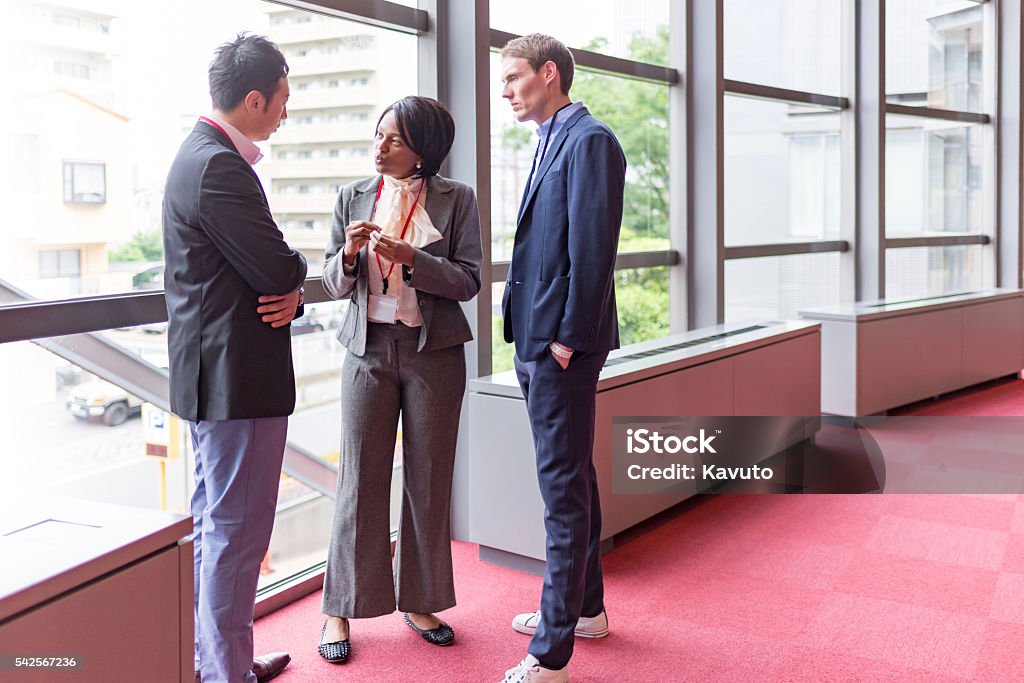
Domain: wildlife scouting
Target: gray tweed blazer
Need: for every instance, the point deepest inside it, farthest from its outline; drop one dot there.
(445, 272)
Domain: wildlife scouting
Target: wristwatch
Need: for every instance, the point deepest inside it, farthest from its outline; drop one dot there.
(561, 351)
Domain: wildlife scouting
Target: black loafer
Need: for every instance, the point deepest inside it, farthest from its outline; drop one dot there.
(336, 652)
(442, 635)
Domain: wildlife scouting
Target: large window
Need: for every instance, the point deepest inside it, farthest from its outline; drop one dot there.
(91, 149)
(783, 176)
(91, 146)
(939, 177)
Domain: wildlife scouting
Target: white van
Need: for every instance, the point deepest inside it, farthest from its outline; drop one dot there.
(102, 400)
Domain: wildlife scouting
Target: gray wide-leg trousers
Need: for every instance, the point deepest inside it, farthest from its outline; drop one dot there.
(426, 388)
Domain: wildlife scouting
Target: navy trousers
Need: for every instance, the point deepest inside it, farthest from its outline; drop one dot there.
(561, 406)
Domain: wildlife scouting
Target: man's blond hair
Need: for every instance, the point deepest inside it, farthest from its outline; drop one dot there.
(538, 49)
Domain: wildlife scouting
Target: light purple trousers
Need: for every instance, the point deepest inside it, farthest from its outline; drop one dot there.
(238, 469)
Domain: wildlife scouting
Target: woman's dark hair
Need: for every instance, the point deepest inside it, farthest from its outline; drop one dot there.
(426, 127)
(247, 63)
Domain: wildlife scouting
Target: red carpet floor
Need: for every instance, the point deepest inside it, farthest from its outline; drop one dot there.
(747, 588)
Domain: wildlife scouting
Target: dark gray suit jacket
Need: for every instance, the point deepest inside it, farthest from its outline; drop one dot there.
(445, 272)
(222, 251)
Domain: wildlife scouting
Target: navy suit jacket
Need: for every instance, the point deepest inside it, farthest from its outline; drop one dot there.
(222, 251)
(560, 284)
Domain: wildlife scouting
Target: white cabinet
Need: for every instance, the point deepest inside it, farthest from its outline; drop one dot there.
(108, 585)
(877, 355)
(767, 369)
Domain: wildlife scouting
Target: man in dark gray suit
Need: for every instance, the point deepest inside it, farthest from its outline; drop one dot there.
(233, 286)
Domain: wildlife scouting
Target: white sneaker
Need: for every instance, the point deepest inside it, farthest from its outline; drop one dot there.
(586, 627)
(530, 671)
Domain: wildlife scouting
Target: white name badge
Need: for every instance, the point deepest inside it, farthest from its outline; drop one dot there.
(382, 308)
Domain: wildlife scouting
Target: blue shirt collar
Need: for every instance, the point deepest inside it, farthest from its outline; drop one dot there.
(559, 119)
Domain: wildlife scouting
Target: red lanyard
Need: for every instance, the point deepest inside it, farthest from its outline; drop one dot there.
(217, 126)
(405, 226)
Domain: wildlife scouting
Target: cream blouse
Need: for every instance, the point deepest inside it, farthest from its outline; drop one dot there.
(396, 200)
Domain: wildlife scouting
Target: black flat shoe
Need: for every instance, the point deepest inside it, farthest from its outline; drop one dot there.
(336, 652)
(442, 635)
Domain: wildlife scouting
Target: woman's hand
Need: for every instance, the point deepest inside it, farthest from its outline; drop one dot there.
(356, 235)
(393, 249)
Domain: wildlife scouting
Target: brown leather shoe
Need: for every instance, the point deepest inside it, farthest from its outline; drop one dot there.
(270, 665)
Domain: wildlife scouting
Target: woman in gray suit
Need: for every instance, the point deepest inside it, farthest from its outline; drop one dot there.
(405, 250)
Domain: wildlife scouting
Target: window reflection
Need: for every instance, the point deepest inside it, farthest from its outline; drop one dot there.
(781, 172)
(933, 178)
(934, 53)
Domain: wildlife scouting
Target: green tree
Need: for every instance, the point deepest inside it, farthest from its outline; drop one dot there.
(144, 246)
(638, 113)
(642, 299)
(501, 353)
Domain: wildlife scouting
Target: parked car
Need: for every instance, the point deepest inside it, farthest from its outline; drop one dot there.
(151, 277)
(306, 324)
(104, 401)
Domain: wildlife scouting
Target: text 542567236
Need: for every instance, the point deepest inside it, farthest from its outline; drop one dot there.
(8, 662)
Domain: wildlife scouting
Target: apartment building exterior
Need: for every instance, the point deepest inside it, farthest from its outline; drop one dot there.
(341, 74)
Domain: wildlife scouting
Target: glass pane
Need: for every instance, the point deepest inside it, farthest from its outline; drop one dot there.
(88, 183)
(318, 357)
(781, 172)
(68, 432)
(637, 113)
(792, 44)
(780, 286)
(934, 53)
(934, 173)
(302, 528)
(931, 271)
(632, 29)
(105, 444)
(92, 63)
(641, 296)
(502, 354)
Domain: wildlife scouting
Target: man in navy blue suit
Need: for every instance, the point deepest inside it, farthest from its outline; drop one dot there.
(559, 309)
